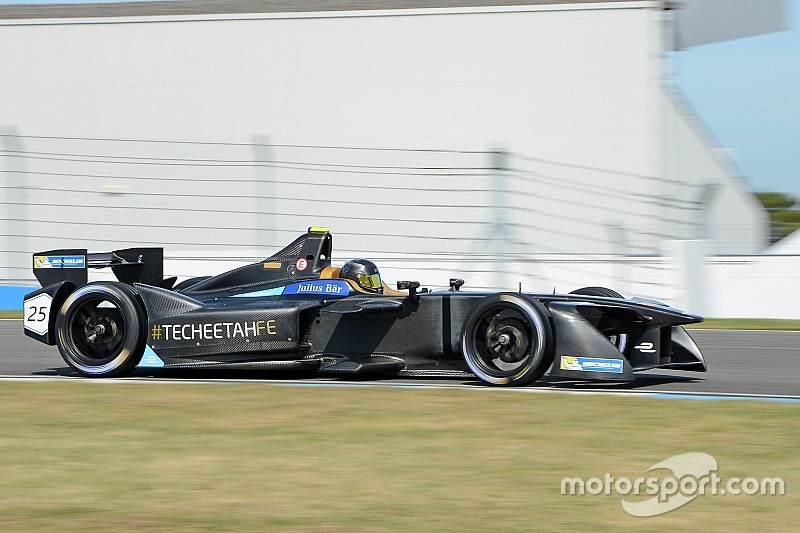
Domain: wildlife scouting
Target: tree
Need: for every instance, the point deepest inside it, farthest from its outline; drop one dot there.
(784, 217)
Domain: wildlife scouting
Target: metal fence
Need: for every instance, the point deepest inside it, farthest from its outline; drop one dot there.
(499, 218)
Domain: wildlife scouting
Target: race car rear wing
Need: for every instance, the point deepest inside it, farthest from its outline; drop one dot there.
(131, 265)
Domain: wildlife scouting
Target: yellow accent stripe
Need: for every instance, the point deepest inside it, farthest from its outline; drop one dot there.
(273, 264)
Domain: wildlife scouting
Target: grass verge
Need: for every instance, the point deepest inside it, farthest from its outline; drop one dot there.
(79, 456)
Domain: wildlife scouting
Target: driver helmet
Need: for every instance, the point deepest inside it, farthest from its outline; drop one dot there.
(365, 273)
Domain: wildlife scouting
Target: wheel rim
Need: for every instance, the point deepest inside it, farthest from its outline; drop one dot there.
(502, 341)
(96, 331)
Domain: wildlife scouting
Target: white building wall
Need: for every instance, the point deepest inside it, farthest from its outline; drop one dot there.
(567, 86)
(575, 94)
(729, 215)
(556, 83)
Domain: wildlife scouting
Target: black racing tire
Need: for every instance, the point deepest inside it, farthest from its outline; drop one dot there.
(597, 291)
(100, 329)
(507, 339)
(620, 341)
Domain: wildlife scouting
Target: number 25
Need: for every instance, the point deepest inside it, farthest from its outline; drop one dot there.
(37, 314)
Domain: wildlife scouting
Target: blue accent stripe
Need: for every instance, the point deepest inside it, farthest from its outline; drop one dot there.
(277, 291)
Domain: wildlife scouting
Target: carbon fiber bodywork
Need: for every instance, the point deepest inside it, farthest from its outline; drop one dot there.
(291, 311)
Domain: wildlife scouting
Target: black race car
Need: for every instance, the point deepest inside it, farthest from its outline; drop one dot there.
(294, 310)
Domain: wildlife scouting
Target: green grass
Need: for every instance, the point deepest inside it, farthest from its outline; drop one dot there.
(10, 314)
(81, 456)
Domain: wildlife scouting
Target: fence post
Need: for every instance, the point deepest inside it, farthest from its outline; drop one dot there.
(500, 230)
(620, 249)
(264, 190)
(688, 257)
(703, 220)
(17, 259)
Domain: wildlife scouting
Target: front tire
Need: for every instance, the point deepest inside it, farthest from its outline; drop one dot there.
(597, 291)
(621, 340)
(100, 329)
(507, 340)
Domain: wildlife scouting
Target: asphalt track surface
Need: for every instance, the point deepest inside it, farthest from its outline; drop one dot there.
(740, 362)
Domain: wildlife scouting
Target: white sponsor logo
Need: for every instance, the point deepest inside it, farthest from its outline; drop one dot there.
(645, 347)
(330, 288)
(692, 474)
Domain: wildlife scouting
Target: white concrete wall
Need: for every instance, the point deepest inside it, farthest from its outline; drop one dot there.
(764, 286)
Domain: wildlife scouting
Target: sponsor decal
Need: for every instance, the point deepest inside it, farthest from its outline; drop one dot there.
(150, 359)
(215, 330)
(301, 264)
(272, 264)
(59, 261)
(37, 313)
(591, 364)
(646, 347)
(324, 287)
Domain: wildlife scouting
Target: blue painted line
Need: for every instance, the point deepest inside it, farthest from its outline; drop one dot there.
(351, 384)
(715, 397)
(656, 395)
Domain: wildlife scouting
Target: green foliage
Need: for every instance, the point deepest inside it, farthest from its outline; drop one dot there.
(787, 217)
(776, 200)
(784, 218)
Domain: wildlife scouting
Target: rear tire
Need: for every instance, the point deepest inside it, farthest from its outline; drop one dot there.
(100, 329)
(507, 340)
(185, 284)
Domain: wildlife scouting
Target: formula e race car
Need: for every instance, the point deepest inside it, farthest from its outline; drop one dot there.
(296, 311)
